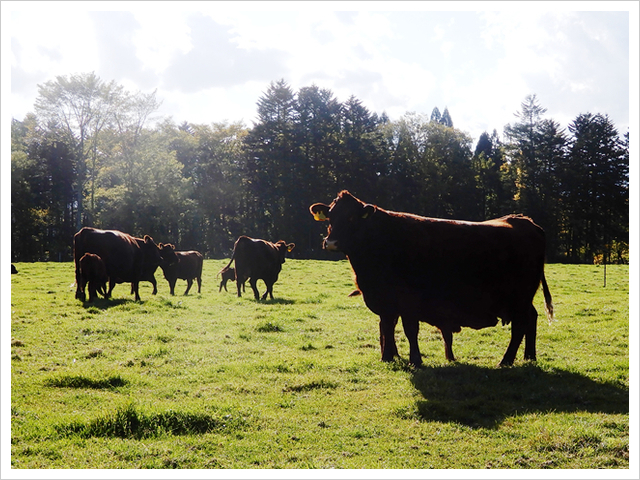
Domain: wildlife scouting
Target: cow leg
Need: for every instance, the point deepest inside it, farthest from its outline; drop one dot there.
(530, 335)
(155, 286)
(447, 336)
(269, 291)
(189, 283)
(199, 283)
(136, 286)
(80, 284)
(112, 283)
(80, 292)
(223, 284)
(172, 286)
(252, 282)
(518, 328)
(411, 327)
(387, 337)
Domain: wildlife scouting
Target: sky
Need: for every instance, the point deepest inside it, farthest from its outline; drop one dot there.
(212, 61)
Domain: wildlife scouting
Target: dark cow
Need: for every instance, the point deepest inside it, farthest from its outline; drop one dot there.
(125, 257)
(13, 269)
(188, 267)
(94, 273)
(167, 252)
(228, 274)
(258, 259)
(448, 273)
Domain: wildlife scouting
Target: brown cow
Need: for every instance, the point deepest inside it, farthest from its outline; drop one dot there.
(125, 257)
(228, 274)
(94, 273)
(187, 267)
(258, 259)
(167, 252)
(448, 273)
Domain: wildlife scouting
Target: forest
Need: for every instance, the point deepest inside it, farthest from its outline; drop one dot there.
(93, 154)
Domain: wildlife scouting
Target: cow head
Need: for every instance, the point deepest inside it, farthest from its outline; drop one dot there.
(168, 254)
(150, 252)
(283, 247)
(347, 216)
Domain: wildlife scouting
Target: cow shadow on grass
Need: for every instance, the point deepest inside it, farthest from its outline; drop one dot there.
(481, 397)
(106, 303)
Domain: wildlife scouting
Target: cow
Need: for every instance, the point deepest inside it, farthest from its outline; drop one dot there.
(94, 274)
(187, 267)
(168, 254)
(257, 259)
(448, 273)
(228, 274)
(125, 257)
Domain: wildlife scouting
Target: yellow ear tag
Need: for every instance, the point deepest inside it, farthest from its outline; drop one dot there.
(319, 216)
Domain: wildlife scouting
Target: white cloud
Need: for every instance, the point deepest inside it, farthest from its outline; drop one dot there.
(479, 65)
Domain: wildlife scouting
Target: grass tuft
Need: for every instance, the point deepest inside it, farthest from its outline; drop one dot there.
(129, 422)
(269, 327)
(80, 381)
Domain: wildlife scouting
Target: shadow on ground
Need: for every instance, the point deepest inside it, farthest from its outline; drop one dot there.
(481, 397)
(106, 303)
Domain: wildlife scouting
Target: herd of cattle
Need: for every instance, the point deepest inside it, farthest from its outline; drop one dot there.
(448, 273)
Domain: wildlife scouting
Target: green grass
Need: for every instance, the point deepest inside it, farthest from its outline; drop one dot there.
(214, 381)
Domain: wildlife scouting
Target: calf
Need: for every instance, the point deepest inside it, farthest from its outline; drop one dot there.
(228, 274)
(94, 273)
(188, 267)
(257, 259)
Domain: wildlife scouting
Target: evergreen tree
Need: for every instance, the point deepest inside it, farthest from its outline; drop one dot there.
(436, 116)
(446, 118)
(594, 182)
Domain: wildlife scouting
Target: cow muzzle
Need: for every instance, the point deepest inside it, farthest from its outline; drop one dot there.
(331, 245)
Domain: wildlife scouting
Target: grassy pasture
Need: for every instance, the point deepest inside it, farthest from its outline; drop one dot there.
(214, 381)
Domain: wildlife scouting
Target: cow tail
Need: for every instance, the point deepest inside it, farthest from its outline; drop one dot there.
(548, 303)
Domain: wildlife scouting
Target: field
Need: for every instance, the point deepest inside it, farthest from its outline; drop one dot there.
(214, 381)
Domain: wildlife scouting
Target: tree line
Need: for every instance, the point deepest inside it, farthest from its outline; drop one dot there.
(88, 155)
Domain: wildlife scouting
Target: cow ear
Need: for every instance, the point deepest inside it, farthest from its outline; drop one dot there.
(368, 210)
(320, 212)
(290, 247)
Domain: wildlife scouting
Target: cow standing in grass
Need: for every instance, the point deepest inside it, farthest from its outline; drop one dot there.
(188, 266)
(125, 257)
(228, 275)
(94, 275)
(257, 259)
(448, 273)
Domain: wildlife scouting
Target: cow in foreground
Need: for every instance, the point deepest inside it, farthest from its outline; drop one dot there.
(188, 266)
(448, 273)
(257, 259)
(125, 257)
(93, 274)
